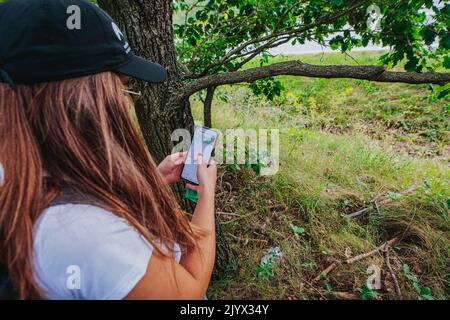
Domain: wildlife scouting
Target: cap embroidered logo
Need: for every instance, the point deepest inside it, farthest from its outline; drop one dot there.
(121, 37)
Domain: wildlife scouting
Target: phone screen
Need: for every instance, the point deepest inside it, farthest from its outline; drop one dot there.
(203, 142)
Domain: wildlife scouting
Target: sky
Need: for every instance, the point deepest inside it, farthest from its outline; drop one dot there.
(311, 47)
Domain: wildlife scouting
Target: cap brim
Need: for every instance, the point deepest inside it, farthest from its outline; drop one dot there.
(143, 69)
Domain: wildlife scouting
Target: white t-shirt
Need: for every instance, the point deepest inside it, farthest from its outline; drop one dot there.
(85, 252)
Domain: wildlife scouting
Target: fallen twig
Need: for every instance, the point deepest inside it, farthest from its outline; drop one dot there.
(376, 204)
(371, 253)
(325, 272)
(239, 217)
(391, 271)
(360, 212)
(228, 214)
(247, 239)
(344, 295)
(335, 264)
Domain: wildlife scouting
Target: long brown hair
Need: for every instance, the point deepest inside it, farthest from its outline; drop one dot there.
(79, 134)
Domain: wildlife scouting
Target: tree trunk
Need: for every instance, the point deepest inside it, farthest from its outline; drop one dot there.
(148, 26)
(207, 106)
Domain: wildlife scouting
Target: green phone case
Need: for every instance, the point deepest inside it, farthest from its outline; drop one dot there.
(191, 195)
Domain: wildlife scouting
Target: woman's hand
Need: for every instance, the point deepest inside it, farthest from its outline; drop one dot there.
(207, 177)
(170, 168)
(193, 273)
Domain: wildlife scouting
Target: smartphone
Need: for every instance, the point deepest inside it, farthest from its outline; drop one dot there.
(204, 142)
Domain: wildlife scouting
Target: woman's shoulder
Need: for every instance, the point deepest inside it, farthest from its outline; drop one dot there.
(69, 216)
(81, 225)
(96, 241)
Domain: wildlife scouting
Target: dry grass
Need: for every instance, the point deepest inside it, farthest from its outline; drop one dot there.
(325, 174)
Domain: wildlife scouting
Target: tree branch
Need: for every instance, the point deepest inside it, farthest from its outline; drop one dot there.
(278, 33)
(188, 11)
(271, 44)
(298, 68)
(213, 32)
(286, 13)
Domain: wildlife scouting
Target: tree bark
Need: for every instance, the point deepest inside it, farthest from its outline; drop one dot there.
(148, 26)
(298, 68)
(207, 106)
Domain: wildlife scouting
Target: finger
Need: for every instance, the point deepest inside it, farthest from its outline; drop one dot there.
(212, 168)
(212, 163)
(192, 187)
(200, 160)
(172, 158)
(179, 161)
(180, 155)
(183, 154)
(177, 171)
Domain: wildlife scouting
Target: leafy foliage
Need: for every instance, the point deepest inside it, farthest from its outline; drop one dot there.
(269, 87)
(367, 293)
(254, 160)
(424, 293)
(218, 36)
(298, 231)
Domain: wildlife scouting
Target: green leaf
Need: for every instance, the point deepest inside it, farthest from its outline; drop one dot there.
(296, 229)
(368, 293)
(416, 286)
(328, 287)
(406, 269)
(225, 97)
(428, 35)
(412, 64)
(338, 2)
(394, 195)
(445, 41)
(425, 291)
(444, 93)
(446, 62)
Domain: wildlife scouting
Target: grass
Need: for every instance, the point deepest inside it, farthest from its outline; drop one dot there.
(410, 117)
(344, 143)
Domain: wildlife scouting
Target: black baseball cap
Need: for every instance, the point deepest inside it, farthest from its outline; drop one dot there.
(51, 40)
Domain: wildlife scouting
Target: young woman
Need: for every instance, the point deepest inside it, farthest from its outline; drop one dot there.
(85, 213)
